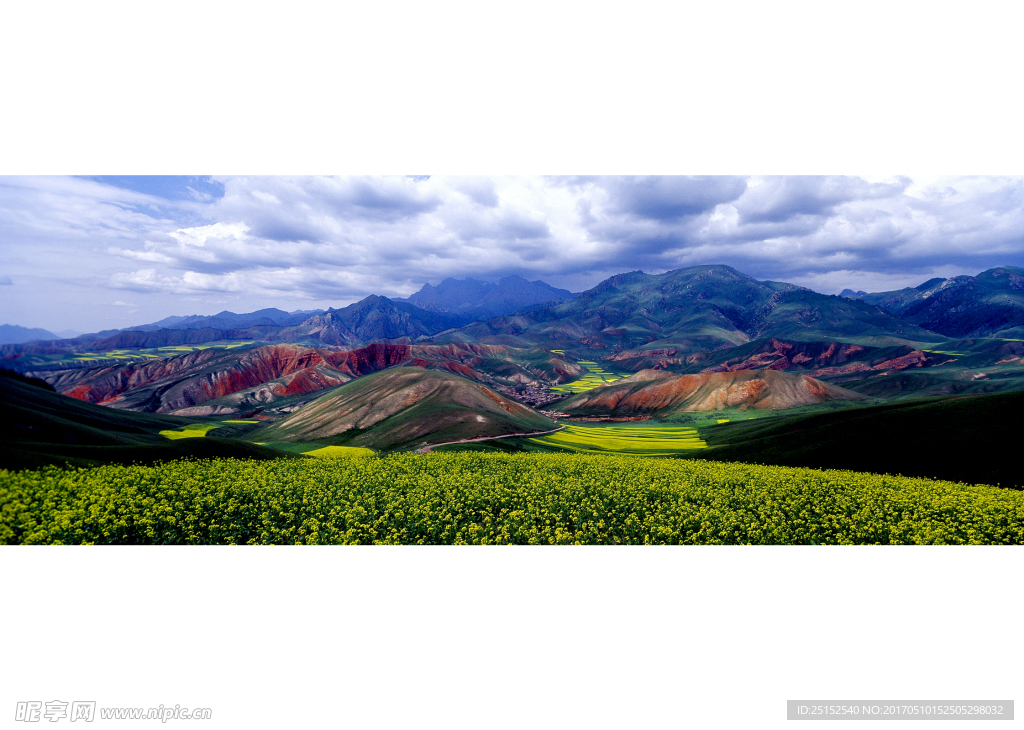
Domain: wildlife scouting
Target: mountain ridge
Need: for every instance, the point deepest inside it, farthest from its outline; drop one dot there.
(700, 308)
(962, 306)
(14, 334)
(481, 299)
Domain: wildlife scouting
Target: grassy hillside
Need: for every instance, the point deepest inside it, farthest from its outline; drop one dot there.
(40, 427)
(973, 439)
(405, 407)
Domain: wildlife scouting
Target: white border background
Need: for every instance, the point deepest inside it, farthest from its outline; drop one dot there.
(516, 637)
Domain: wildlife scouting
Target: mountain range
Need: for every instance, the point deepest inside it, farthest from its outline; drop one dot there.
(990, 304)
(699, 309)
(451, 304)
(229, 320)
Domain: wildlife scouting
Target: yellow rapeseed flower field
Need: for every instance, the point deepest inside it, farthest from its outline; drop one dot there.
(595, 376)
(625, 439)
(480, 498)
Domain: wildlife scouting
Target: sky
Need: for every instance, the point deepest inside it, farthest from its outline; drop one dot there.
(92, 253)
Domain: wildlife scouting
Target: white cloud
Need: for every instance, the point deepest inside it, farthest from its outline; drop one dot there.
(153, 256)
(265, 197)
(199, 235)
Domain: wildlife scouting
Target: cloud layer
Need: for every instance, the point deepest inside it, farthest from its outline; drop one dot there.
(75, 250)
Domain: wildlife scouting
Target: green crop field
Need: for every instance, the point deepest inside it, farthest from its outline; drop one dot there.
(190, 431)
(458, 498)
(177, 349)
(114, 355)
(152, 352)
(218, 345)
(199, 430)
(596, 375)
(339, 452)
(641, 440)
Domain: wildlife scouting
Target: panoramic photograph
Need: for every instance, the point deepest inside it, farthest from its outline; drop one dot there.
(530, 360)
(541, 365)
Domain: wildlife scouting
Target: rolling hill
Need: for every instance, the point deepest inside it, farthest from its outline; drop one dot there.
(405, 407)
(164, 385)
(249, 380)
(974, 439)
(654, 392)
(39, 427)
(815, 358)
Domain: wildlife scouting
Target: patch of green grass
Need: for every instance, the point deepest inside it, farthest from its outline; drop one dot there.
(240, 421)
(624, 439)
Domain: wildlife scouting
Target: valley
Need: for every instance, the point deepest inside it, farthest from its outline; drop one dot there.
(702, 363)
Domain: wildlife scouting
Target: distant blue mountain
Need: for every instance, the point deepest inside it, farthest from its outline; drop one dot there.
(229, 320)
(475, 299)
(12, 334)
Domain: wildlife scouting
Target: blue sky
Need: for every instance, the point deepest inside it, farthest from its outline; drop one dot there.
(90, 253)
(168, 187)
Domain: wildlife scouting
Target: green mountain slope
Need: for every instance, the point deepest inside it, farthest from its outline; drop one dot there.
(39, 427)
(405, 407)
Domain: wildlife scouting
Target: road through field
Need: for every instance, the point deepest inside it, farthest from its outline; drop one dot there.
(426, 449)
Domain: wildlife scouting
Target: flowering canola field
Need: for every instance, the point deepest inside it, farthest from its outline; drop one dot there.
(623, 439)
(472, 497)
(595, 376)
